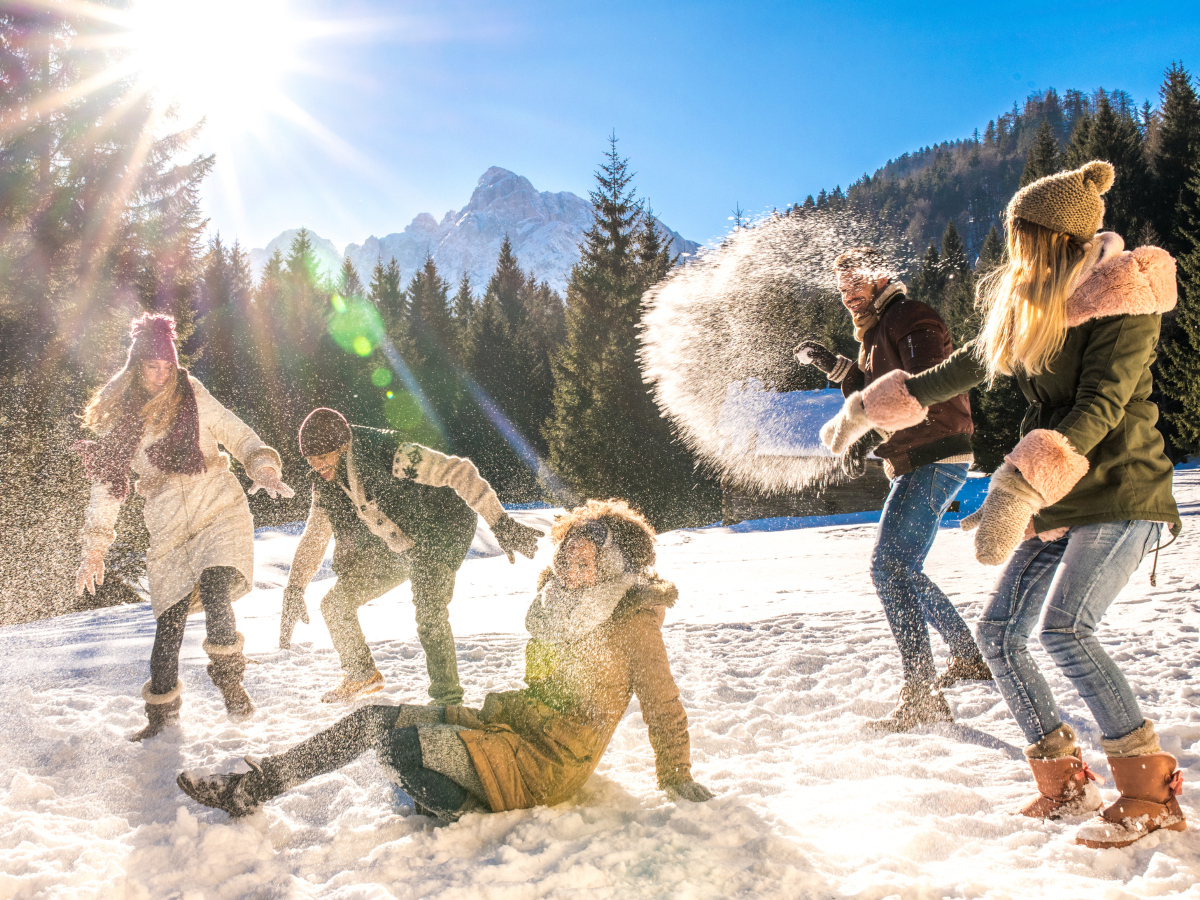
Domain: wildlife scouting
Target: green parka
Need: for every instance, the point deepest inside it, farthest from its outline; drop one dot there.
(1095, 394)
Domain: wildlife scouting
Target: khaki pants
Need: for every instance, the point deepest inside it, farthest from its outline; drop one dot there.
(373, 575)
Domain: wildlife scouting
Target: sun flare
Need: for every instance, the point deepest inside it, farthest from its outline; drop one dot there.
(224, 60)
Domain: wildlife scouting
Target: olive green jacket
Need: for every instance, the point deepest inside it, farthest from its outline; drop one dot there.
(1095, 394)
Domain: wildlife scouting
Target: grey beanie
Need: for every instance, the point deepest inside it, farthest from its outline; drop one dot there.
(1068, 202)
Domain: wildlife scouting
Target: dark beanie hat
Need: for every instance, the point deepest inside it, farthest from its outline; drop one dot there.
(152, 337)
(324, 431)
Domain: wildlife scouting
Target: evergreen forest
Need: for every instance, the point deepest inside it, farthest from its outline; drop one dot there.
(100, 220)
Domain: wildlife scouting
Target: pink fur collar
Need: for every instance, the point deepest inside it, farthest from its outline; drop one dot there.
(1123, 283)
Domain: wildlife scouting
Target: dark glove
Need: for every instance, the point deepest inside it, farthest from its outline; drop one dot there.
(511, 535)
(812, 353)
(688, 790)
(855, 459)
(294, 610)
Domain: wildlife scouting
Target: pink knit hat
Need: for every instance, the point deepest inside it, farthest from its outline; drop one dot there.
(152, 337)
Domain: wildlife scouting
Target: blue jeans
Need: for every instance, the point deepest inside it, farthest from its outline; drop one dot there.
(909, 524)
(1075, 579)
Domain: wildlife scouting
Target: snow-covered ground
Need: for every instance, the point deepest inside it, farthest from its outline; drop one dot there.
(781, 652)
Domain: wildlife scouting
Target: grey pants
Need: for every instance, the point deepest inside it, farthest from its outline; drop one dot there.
(373, 575)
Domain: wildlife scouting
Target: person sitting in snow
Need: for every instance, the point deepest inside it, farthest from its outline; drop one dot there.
(927, 464)
(397, 512)
(1083, 496)
(157, 420)
(596, 641)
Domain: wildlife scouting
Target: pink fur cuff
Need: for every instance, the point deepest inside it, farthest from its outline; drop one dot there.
(1049, 463)
(890, 406)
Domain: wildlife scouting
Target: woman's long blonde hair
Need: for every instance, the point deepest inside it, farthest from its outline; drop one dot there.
(1024, 299)
(108, 403)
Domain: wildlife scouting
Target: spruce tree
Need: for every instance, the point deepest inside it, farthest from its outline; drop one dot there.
(1179, 367)
(1113, 135)
(349, 284)
(1177, 153)
(101, 221)
(462, 308)
(606, 436)
(957, 305)
(1044, 157)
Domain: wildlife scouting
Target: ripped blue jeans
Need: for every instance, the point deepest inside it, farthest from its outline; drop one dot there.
(1068, 585)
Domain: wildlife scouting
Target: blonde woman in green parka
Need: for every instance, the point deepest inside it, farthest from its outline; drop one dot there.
(1080, 500)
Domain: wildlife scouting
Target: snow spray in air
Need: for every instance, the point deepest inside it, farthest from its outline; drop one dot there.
(725, 324)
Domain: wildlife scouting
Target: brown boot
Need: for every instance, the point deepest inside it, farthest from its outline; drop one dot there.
(227, 666)
(1064, 788)
(920, 704)
(964, 668)
(162, 710)
(1149, 786)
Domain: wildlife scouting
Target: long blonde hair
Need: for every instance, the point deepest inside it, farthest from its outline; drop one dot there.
(108, 404)
(1024, 300)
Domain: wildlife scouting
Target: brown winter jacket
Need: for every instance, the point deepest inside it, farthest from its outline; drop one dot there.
(912, 336)
(529, 753)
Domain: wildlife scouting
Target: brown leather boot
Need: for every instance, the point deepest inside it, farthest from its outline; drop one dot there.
(964, 668)
(1149, 786)
(227, 666)
(162, 710)
(1064, 788)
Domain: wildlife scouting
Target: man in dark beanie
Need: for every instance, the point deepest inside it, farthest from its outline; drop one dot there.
(927, 465)
(398, 512)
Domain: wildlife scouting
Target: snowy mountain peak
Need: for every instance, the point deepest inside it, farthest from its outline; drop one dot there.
(545, 229)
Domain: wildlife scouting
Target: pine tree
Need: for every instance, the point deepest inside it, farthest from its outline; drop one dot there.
(100, 214)
(349, 284)
(606, 437)
(957, 305)
(991, 254)
(1112, 135)
(1044, 157)
(929, 283)
(1179, 367)
(1177, 153)
(462, 306)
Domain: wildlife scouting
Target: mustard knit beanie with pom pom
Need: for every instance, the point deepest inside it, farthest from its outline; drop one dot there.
(1068, 202)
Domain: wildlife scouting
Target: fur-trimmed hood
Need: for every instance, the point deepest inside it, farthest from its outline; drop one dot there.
(646, 594)
(1118, 282)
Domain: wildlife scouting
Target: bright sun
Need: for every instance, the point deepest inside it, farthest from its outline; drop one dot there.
(221, 59)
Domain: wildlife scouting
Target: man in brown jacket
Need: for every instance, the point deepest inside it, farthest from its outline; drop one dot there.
(927, 464)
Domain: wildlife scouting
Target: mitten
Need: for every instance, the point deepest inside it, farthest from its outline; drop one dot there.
(1005, 515)
(294, 610)
(511, 535)
(847, 426)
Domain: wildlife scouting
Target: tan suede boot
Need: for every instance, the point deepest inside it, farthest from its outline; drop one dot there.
(1149, 786)
(1064, 788)
(1063, 779)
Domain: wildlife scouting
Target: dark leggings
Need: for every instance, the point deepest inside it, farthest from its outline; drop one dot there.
(215, 585)
(388, 730)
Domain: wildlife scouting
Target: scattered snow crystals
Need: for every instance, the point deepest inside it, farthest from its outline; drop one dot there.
(735, 313)
(781, 653)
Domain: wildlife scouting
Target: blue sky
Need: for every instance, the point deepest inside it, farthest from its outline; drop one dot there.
(714, 103)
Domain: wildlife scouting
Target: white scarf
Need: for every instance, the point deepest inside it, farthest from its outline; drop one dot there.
(558, 615)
